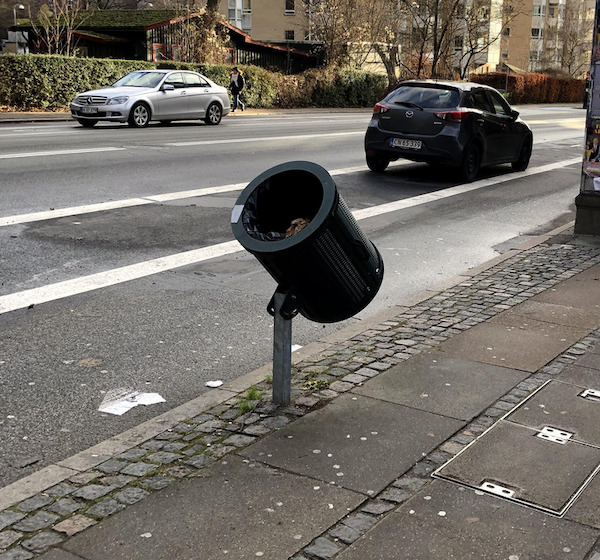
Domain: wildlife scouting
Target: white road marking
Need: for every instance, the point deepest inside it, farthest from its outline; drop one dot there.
(67, 288)
(60, 152)
(165, 197)
(59, 290)
(267, 139)
(459, 189)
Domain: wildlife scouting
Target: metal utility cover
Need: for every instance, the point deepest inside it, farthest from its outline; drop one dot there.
(533, 471)
(565, 407)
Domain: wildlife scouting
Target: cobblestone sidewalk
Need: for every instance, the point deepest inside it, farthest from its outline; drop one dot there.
(33, 526)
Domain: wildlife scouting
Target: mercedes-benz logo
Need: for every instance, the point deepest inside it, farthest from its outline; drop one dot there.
(409, 114)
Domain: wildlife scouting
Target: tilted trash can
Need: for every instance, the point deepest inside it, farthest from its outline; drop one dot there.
(293, 220)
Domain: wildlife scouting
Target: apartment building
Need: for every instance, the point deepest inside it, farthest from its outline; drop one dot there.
(527, 35)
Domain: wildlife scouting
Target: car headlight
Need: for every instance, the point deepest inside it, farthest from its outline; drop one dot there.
(117, 100)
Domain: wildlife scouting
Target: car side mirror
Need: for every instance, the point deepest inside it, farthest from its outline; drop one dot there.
(514, 114)
(168, 87)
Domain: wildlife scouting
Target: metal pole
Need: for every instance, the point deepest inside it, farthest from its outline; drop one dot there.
(587, 202)
(282, 353)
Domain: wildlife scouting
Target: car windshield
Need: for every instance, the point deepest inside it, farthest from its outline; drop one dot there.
(425, 97)
(140, 79)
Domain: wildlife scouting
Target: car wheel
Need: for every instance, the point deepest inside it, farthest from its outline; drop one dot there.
(377, 164)
(524, 156)
(213, 114)
(471, 163)
(139, 116)
(87, 123)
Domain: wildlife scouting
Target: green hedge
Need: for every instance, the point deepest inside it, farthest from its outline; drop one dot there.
(534, 88)
(50, 82)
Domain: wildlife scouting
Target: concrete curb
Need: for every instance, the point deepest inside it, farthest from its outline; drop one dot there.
(53, 474)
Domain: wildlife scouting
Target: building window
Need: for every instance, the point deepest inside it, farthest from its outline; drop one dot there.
(537, 33)
(539, 10)
(290, 8)
(534, 56)
(506, 32)
(289, 34)
(505, 55)
(458, 42)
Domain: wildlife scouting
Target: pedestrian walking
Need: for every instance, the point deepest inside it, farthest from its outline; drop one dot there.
(236, 85)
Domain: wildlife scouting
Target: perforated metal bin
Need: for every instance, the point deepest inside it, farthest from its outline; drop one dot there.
(330, 267)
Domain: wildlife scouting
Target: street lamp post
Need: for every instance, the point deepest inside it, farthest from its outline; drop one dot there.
(15, 8)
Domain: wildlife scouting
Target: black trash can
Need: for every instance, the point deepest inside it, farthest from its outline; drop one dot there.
(293, 220)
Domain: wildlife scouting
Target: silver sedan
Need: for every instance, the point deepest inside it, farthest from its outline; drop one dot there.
(153, 95)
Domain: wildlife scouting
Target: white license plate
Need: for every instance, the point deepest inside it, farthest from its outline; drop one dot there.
(405, 143)
(89, 110)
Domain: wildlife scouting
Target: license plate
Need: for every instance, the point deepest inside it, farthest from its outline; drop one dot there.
(89, 110)
(405, 143)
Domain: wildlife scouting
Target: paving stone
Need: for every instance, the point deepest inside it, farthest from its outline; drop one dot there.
(178, 471)
(153, 445)
(344, 533)
(132, 454)
(341, 386)
(105, 507)
(65, 506)
(9, 517)
(323, 548)
(16, 554)
(111, 466)
(275, 422)
(210, 426)
(257, 430)
(367, 372)
(395, 495)
(354, 378)
(410, 483)
(117, 481)
(199, 461)
(131, 495)
(308, 401)
(42, 541)
(9, 537)
(174, 447)
(239, 440)
(61, 490)
(377, 508)
(85, 477)
(74, 525)
(40, 520)
(163, 457)
(138, 469)
(35, 503)
(360, 522)
(157, 482)
(92, 492)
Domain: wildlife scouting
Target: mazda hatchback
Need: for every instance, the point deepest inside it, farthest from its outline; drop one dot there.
(462, 124)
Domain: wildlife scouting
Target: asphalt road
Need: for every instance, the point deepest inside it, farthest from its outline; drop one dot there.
(90, 216)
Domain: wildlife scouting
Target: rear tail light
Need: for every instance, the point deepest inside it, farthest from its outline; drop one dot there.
(453, 116)
(379, 109)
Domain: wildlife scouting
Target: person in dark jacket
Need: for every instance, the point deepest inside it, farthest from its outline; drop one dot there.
(236, 84)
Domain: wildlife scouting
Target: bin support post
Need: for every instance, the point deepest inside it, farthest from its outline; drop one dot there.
(282, 352)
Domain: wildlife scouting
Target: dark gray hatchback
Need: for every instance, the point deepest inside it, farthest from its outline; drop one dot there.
(462, 124)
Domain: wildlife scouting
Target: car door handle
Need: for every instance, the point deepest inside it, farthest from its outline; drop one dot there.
(184, 92)
(481, 121)
(206, 91)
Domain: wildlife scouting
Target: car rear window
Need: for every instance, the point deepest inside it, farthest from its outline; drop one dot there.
(426, 97)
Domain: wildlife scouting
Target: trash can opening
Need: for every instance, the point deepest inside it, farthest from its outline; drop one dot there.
(282, 205)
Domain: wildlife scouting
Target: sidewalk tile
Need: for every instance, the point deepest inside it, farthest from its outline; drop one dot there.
(438, 383)
(236, 507)
(357, 442)
(454, 522)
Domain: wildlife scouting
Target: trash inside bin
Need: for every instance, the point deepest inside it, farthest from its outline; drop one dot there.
(293, 220)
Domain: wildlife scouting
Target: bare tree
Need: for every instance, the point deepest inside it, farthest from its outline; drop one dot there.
(56, 27)
(566, 40)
